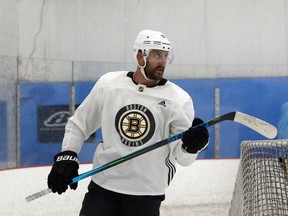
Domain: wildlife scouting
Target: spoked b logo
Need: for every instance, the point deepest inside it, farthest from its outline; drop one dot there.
(135, 124)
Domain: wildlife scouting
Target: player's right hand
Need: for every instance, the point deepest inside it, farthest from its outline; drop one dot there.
(65, 168)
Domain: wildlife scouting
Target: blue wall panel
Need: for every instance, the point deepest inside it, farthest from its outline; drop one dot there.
(260, 97)
(33, 96)
(50, 98)
(3, 131)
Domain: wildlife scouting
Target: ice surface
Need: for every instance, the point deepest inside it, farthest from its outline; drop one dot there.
(204, 188)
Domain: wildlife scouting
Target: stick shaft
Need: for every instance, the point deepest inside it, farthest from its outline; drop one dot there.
(258, 125)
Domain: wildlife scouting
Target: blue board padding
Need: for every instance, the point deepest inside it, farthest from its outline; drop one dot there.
(260, 97)
(282, 124)
(3, 131)
(33, 95)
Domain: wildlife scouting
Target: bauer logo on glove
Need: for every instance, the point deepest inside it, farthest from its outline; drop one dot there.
(67, 158)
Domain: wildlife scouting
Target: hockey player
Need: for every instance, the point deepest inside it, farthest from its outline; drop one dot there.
(133, 109)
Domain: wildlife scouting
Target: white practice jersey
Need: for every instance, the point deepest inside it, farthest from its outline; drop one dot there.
(131, 117)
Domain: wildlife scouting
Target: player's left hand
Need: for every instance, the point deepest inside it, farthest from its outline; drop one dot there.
(63, 171)
(195, 139)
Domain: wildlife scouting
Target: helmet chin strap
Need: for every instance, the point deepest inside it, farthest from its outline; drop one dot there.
(142, 70)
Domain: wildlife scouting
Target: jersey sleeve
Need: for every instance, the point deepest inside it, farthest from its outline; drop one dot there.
(182, 122)
(85, 121)
(182, 157)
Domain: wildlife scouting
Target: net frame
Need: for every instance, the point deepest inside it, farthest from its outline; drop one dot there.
(261, 186)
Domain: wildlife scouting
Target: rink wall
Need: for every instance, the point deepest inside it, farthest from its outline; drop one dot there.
(45, 108)
(205, 188)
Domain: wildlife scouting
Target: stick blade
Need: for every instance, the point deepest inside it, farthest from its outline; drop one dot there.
(256, 124)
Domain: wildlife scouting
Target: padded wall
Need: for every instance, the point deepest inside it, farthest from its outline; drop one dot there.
(260, 97)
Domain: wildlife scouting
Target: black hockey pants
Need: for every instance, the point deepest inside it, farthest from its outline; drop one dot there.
(101, 202)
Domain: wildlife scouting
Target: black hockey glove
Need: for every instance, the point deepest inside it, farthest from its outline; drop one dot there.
(63, 171)
(196, 139)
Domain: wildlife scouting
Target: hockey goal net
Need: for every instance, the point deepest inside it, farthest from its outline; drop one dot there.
(261, 186)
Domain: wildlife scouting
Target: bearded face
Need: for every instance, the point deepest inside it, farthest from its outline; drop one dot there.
(156, 63)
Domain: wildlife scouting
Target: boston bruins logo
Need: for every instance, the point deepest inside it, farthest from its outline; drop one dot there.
(135, 124)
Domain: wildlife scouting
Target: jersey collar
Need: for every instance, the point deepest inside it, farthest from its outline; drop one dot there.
(160, 83)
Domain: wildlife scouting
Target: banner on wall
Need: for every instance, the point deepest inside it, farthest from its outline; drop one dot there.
(51, 122)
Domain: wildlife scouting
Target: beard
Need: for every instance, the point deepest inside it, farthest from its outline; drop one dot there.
(155, 73)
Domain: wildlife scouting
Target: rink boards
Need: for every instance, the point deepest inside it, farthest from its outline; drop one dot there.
(44, 108)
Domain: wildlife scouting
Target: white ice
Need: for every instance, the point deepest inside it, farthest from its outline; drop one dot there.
(204, 188)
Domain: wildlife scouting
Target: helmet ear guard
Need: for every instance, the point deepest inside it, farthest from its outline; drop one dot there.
(144, 55)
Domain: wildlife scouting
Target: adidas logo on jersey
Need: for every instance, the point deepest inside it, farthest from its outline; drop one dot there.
(162, 103)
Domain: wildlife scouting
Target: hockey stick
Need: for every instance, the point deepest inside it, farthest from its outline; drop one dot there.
(251, 122)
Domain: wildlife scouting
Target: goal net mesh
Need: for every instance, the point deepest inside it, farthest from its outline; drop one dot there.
(261, 186)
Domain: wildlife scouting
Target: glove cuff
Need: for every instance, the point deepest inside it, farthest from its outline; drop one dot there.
(66, 156)
(187, 149)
